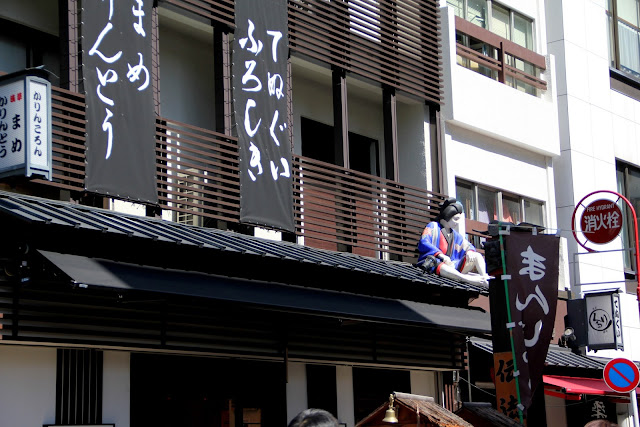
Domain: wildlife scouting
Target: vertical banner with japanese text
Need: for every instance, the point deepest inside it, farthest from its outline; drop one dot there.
(116, 65)
(260, 54)
(532, 265)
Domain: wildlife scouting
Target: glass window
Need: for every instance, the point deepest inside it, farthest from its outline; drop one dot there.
(511, 209)
(500, 22)
(492, 204)
(486, 205)
(477, 12)
(628, 10)
(629, 48)
(522, 31)
(624, 35)
(457, 6)
(533, 212)
(465, 195)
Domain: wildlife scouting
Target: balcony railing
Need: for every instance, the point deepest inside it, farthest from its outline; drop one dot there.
(197, 176)
(499, 58)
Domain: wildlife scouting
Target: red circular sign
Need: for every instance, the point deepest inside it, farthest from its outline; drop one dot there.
(621, 375)
(601, 221)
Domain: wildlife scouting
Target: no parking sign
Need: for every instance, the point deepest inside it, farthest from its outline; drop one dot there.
(621, 375)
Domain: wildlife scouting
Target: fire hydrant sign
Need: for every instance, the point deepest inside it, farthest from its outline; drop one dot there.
(601, 221)
(25, 126)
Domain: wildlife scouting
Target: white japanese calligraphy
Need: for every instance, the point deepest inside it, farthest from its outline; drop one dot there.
(247, 121)
(595, 222)
(109, 77)
(249, 77)
(94, 49)
(255, 161)
(134, 73)
(138, 13)
(256, 47)
(535, 266)
(273, 89)
(277, 35)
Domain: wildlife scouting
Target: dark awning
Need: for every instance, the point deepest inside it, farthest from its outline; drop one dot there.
(88, 272)
(83, 222)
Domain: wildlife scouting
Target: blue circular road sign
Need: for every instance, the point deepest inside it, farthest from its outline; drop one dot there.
(621, 375)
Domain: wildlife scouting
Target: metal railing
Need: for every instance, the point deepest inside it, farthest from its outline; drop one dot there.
(497, 57)
(197, 179)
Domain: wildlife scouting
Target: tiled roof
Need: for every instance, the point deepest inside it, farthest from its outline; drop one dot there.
(65, 214)
(556, 356)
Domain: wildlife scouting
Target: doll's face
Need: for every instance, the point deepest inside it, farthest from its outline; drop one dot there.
(453, 223)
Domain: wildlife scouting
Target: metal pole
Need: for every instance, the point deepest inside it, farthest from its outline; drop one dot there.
(635, 233)
(469, 370)
(634, 407)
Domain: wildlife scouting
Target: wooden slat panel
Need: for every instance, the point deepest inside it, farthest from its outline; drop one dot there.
(219, 11)
(396, 43)
(197, 169)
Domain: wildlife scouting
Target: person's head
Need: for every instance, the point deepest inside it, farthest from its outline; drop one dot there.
(314, 418)
(600, 423)
(450, 213)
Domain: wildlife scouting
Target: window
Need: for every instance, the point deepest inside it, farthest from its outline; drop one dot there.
(624, 35)
(504, 22)
(486, 204)
(628, 179)
(317, 143)
(23, 47)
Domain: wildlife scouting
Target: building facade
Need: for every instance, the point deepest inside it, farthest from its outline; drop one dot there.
(118, 310)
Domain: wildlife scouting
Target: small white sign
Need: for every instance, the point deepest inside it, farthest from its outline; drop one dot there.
(25, 126)
(38, 135)
(604, 329)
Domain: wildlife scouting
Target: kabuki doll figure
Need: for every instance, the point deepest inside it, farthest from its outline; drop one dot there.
(446, 252)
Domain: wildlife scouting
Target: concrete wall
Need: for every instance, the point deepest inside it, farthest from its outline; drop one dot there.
(39, 14)
(186, 70)
(116, 388)
(496, 135)
(598, 125)
(27, 385)
(296, 389)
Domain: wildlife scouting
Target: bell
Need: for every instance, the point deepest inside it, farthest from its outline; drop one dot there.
(390, 414)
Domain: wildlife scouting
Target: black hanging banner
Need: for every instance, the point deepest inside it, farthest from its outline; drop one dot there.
(532, 264)
(120, 146)
(260, 53)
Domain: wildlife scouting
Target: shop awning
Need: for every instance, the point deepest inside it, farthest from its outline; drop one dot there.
(562, 386)
(89, 272)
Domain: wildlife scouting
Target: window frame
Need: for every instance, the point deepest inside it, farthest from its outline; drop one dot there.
(499, 194)
(613, 34)
(627, 227)
(512, 14)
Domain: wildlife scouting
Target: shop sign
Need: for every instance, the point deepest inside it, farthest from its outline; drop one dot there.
(25, 126)
(604, 324)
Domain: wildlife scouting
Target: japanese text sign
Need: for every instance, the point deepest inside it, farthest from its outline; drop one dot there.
(532, 265)
(117, 59)
(506, 391)
(260, 54)
(601, 221)
(604, 323)
(25, 126)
